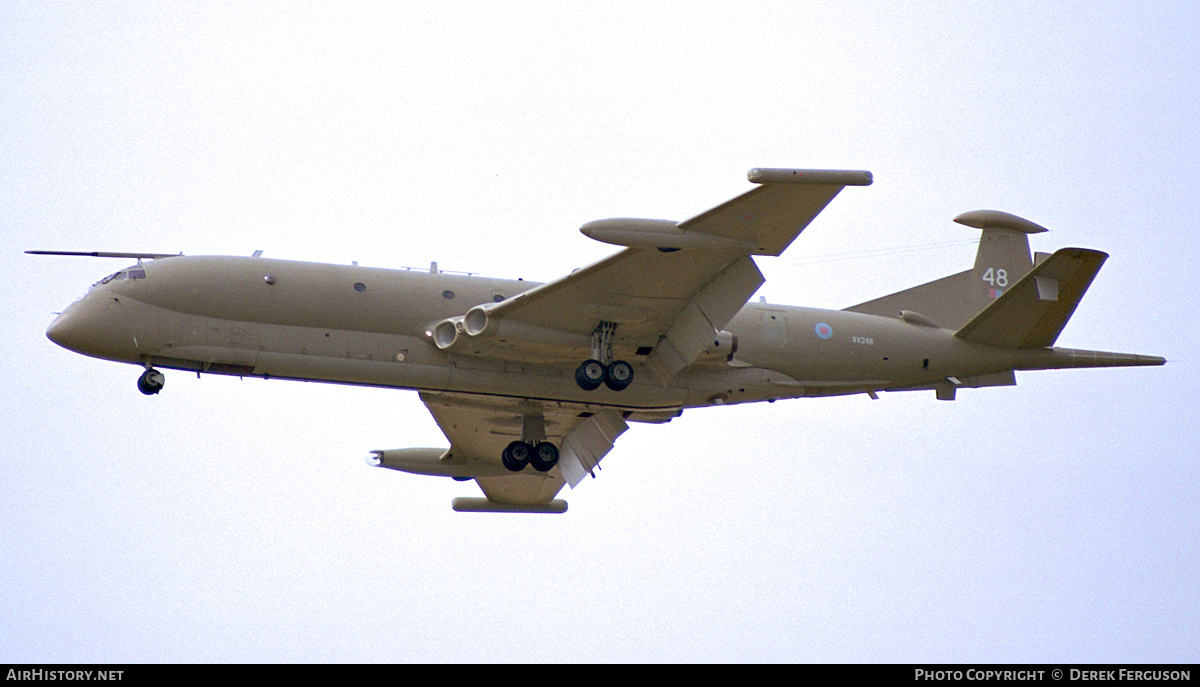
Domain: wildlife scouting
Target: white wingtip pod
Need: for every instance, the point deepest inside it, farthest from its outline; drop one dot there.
(830, 177)
(464, 504)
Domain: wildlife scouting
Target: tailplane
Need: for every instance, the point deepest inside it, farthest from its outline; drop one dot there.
(1034, 311)
(1002, 260)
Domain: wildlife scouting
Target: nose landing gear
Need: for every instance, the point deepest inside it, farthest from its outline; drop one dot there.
(151, 382)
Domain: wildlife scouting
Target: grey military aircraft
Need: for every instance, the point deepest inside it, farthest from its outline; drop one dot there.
(533, 383)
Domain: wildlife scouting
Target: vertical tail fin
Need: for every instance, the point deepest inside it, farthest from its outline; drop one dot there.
(1002, 260)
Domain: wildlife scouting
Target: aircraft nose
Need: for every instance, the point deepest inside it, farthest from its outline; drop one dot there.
(66, 331)
(95, 327)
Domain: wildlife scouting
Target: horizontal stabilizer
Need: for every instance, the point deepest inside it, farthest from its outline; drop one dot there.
(1034, 311)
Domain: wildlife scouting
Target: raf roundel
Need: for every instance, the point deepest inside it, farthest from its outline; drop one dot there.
(823, 330)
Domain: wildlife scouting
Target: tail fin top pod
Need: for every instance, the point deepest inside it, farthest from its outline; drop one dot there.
(1003, 256)
(1002, 260)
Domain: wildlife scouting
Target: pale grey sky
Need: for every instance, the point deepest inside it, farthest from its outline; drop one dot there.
(235, 520)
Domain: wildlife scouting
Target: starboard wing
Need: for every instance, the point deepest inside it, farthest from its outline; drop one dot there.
(670, 299)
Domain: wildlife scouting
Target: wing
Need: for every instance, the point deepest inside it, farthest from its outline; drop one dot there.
(668, 293)
(480, 427)
(771, 216)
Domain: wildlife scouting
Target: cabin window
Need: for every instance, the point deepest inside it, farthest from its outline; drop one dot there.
(448, 294)
(359, 286)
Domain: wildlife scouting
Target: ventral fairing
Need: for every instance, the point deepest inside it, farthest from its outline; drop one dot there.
(533, 383)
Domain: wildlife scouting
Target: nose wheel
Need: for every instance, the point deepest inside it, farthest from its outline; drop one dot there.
(151, 382)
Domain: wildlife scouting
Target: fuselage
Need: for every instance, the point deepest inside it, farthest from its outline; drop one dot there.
(367, 326)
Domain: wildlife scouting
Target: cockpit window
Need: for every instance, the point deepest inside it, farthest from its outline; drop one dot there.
(131, 273)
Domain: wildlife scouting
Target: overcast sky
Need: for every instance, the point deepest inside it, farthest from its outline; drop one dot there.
(235, 520)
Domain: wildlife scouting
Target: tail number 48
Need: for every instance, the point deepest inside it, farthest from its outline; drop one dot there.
(996, 277)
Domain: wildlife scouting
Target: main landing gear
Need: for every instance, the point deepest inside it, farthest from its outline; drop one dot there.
(542, 456)
(151, 382)
(601, 368)
(592, 373)
(532, 449)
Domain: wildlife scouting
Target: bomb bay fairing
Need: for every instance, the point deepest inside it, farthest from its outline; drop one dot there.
(533, 383)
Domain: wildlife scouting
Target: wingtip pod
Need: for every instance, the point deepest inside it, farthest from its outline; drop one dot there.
(465, 504)
(828, 177)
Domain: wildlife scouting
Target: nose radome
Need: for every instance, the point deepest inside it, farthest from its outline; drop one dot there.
(99, 326)
(83, 328)
(64, 331)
